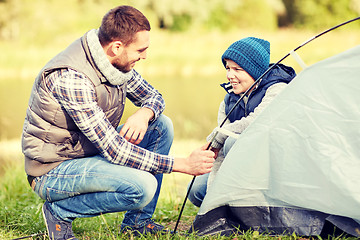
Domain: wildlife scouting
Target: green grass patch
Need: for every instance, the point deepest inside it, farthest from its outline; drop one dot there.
(20, 207)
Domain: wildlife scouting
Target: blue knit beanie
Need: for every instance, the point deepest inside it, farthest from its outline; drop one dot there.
(252, 54)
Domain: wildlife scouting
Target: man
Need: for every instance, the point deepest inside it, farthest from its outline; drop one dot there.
(76, 157)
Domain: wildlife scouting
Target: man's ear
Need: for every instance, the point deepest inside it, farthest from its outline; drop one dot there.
(116, 47)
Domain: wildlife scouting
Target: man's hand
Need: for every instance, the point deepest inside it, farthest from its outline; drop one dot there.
(199, 162)
(136, 125)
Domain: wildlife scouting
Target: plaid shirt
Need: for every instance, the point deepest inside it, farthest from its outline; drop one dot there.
(76, 94)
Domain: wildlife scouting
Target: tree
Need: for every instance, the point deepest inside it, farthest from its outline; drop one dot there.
(319, 14)
(9, 22)
(181, 15)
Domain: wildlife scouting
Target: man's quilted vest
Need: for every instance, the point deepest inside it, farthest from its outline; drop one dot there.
(50, 136)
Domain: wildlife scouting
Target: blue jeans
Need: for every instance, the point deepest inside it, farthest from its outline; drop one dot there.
(199, 187)
(87, 187)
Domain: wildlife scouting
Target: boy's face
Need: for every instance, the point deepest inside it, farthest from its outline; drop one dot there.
(240, 80)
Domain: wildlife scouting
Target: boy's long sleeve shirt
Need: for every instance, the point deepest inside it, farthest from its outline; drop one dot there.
(240, 125)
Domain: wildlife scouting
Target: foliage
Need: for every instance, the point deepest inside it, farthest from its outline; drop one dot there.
(321, 14)
(15, 15)
(9, 13)
(256, 14)
(212, 14)
(27, 18)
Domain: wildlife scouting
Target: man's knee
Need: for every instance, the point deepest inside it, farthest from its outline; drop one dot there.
(167, 125)
(142, 191)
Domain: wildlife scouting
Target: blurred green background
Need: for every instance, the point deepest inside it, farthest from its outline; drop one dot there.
(183, 62)
(188, 38)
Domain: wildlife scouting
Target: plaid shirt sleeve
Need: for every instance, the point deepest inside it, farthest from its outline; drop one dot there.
(142, 94)
(77, 96)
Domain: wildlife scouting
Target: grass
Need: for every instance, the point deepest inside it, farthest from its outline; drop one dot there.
(184, 67)
(20, 208)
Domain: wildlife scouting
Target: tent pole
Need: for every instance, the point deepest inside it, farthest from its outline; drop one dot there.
(246, 92)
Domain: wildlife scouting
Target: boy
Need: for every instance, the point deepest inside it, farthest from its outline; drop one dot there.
(245, 61)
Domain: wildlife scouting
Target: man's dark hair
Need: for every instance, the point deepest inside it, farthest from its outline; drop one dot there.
(122, 23)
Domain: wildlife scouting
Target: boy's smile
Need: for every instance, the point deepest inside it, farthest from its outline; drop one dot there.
(240, 80)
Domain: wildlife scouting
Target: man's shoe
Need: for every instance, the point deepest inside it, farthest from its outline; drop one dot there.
(150, 227)
(57, 229)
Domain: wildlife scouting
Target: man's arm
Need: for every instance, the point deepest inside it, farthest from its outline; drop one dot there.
(143, 95)
(76, 94)
(136, 125)
(197, 163)
(151, 104)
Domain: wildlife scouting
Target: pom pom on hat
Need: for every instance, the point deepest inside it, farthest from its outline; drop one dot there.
(252, 54)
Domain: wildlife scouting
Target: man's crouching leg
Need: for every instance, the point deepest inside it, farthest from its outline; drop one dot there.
(87, 187)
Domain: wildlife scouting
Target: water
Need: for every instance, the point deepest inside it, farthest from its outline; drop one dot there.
(14, 95)
(191, 102)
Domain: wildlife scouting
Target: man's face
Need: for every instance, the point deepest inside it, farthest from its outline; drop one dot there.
(133, 52)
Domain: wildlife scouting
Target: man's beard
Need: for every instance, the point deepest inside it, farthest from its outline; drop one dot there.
(122, 68)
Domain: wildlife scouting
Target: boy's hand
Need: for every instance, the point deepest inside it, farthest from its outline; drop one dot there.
(216, 151)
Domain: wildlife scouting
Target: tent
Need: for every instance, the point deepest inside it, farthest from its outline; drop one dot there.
(296, 168)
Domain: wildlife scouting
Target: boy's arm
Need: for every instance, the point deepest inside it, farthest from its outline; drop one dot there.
(239, 126)
(220, 138)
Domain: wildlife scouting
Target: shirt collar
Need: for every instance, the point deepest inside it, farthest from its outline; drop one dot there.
(112, 74)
